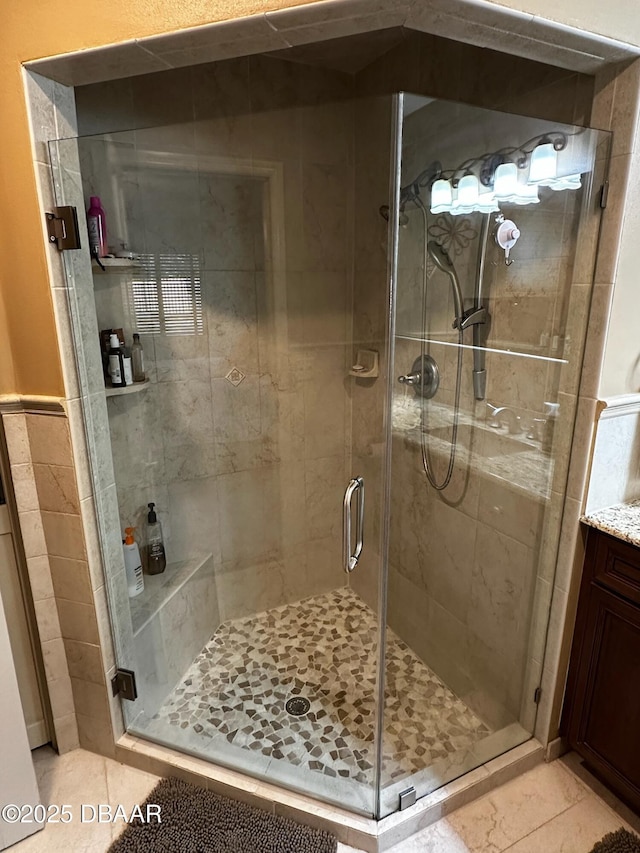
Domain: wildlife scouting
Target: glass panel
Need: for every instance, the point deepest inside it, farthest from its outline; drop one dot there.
(264, 396)
(481, 425)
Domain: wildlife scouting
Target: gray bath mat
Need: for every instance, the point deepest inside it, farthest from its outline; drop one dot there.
(195, 820)
(620, 841)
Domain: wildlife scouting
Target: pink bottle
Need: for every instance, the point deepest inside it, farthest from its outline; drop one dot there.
(97, 226)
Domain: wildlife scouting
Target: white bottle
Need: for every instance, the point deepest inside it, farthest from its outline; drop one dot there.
(132, 564)
(116, 362)
(128, 369)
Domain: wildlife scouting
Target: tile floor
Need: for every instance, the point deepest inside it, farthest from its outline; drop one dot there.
(554, 808)
(320, 649)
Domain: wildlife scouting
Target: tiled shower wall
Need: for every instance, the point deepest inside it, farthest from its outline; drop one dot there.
(252, 473)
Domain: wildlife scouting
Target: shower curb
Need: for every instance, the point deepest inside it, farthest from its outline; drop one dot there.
(357, 831)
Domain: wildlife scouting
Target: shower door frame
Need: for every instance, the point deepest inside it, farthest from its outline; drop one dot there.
(393, 242)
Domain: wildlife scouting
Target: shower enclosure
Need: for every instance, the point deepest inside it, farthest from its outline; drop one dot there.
(328, 619)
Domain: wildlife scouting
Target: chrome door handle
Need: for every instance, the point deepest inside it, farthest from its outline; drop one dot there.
(356, 486)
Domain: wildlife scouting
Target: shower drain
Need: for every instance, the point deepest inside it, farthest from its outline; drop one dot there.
(298, 706)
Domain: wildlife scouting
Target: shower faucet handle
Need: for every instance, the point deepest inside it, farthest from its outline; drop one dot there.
(410, 379)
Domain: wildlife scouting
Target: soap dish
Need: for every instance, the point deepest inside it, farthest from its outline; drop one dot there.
(366, 366)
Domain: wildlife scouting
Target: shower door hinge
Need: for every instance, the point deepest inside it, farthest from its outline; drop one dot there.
(604, 194)
(62, 227)
(407, 798)
(124, 683)
(537, 693)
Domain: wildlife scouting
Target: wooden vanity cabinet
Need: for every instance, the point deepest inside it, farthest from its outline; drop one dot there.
(601, 717)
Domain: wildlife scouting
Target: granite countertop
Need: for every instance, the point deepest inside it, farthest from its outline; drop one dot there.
(619, 520)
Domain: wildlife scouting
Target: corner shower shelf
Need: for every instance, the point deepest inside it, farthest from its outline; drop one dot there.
(136, 388)
(115, 265)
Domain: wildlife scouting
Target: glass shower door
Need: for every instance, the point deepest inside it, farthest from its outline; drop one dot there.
(257, 433)
(495, 257)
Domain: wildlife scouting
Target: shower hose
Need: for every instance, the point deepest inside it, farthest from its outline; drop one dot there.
(426, 461)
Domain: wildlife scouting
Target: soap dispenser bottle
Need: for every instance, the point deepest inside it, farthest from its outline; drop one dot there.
(156, 558)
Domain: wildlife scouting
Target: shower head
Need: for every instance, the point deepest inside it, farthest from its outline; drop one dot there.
(441, 259)
(440, 256)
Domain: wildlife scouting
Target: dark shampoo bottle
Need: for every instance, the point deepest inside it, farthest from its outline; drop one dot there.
(156, 558)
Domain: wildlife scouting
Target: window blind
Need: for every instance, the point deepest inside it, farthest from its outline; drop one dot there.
(167, 295)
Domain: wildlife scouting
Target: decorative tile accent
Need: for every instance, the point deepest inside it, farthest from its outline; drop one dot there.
(454, 234)
(235, 376)
(324, 649)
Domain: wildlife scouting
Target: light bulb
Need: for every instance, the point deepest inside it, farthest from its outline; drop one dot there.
(468, 190)
(544, 163)
(505, 182)
(441, 196)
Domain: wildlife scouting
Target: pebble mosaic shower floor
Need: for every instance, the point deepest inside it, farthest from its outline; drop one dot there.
(323, 649)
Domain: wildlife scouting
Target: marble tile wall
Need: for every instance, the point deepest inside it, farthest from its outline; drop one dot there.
(252, 473)
(187, 612)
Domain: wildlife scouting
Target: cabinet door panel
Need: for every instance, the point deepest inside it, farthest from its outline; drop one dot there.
(617, 566)
(605, 724)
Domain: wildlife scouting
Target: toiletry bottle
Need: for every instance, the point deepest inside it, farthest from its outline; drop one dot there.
(128, 366)
(137, 358)
(132, 564)
(116, 363)
(156, 558)
(97, 226)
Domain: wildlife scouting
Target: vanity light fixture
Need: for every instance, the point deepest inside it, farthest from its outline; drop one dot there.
(510, 175)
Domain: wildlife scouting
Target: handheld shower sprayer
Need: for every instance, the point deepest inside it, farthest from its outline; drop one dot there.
(441, 259)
